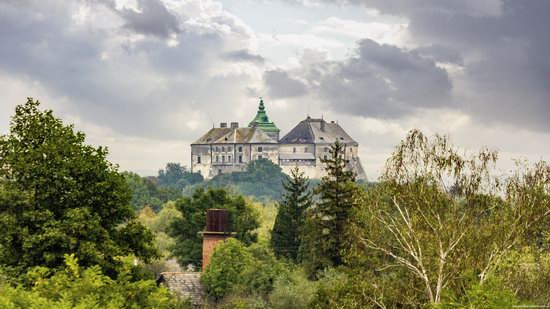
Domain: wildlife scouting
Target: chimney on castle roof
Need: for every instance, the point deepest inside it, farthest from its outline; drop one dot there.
(217, 230)
(223, 125)
(234, 125)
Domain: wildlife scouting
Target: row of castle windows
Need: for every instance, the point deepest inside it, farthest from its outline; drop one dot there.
(239, 149)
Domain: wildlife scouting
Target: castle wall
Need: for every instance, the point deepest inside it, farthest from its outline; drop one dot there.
(218, 159)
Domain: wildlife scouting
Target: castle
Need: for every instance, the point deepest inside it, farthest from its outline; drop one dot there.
(229, 148)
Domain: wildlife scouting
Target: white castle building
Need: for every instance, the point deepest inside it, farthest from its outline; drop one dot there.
(229, 148)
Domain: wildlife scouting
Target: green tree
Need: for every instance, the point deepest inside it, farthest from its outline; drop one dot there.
(240, 270)
(441, 221)
(223, 273)
(177, 176)
(243, 220)
(143, 194)
(262, 179)
(77, 287)
(324, 234)
(285, 236)
(59, 196)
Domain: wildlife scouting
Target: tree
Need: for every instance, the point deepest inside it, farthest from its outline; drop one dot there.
(243, 220)
(141, 192)
(59, 196)
(262, 179)
(176, 176)
(237, 269)
(323, 237)
(285, 236)
(439, 219)
(77, 287)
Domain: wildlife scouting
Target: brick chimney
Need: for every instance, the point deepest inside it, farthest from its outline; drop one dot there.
(234, 125)
(223, 124)
(216, 231)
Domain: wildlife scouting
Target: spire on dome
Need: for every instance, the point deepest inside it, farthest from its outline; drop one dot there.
(262, 120)
(261, 107)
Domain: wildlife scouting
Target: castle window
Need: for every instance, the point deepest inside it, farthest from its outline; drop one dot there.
(217, 149)
(240, 159)
(294, 149)
(199, 160)
(240, 148)
(325, 157)
(228, 158)
(260, 149)
(208, 139)
(322, 138)
(223, 158)
(223, 148)
(229, 148)
(219, 172)
(305, 149)
(326, 149)
(259, 157)
(217, 158)
(225, 139)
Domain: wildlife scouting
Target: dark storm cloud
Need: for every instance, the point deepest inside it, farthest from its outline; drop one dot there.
(382, 81)
(153, 18)
(243, 55)
(132, 87)
(501, 49)
(281, 85)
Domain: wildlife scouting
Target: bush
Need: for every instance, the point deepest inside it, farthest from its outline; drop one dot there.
(84, 288)
(292, 290)
(239, 270)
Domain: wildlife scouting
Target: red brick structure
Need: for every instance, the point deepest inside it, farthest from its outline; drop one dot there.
(217, 230)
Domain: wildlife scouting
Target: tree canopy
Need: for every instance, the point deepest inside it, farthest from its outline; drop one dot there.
(243, 220)
(262, 179)
(285, 236)
(323, 236)
(59, 196)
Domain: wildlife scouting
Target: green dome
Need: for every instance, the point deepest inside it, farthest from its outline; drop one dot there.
(262, 121)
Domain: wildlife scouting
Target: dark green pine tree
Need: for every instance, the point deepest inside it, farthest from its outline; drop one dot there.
(285, 236)
(324, 232)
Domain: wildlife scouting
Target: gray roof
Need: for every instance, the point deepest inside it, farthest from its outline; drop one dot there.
(234, 136)
(317, 131)
(296, 156)
(184, 284)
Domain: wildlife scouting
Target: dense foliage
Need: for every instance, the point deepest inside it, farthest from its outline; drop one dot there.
(59, 196)
(323, 235)
(176, 176)
(285, 236)
(76, 287)
(262, 179)
(243, 221)
(235, 268)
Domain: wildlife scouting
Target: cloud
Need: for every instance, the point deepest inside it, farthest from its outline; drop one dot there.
(243, 55)
(136, 84)
(378, 81)
(152, 18)
(495, 54)
(281, 85)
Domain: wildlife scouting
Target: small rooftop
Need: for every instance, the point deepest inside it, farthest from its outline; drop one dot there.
(184, 285)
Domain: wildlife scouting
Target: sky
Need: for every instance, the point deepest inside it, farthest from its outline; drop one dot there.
(148, 77)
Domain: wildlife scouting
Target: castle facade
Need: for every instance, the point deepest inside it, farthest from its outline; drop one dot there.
(229, 148)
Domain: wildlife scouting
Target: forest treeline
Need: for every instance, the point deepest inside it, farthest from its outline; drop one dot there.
(440, 228)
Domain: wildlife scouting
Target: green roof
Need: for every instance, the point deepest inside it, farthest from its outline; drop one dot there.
(262, 121)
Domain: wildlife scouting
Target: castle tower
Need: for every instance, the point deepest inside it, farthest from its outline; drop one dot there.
(263, 122)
